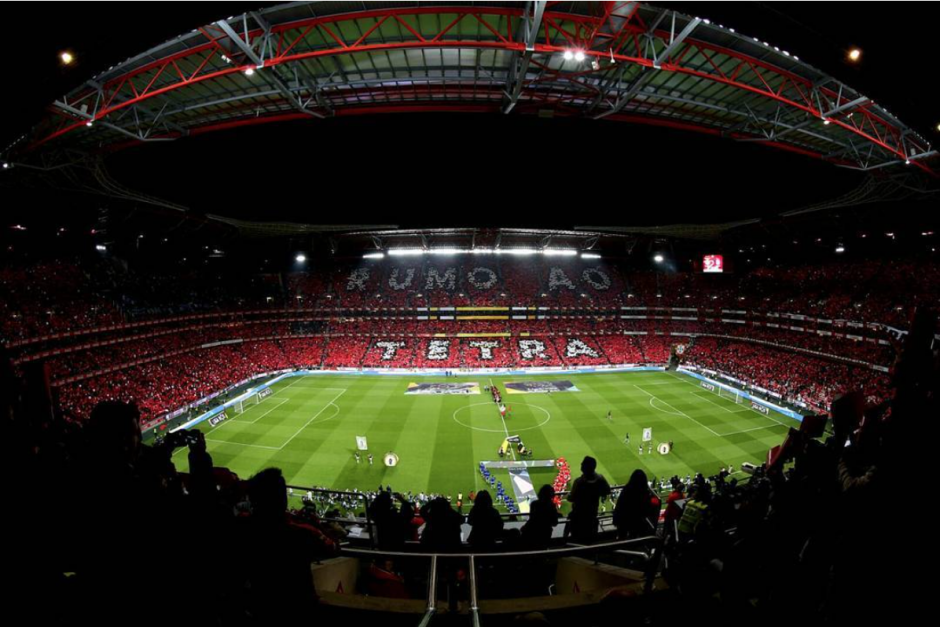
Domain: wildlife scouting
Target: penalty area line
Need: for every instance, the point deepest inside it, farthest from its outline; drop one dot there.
(307, 424)
(680, 412)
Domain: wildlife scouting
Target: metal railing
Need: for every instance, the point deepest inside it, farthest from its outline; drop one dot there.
(605, 520)
(651, 559)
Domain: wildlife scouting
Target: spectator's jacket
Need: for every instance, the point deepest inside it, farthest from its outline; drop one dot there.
(692, 516)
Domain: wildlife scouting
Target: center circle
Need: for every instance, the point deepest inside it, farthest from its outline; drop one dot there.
(548, 417)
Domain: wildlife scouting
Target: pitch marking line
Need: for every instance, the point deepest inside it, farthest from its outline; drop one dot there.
(332, 403)
(754, 429)
(548, 417)
(270, 448)
(730, 411)
(680, 413)
(323, 409)
(653, 405)
(299, 379)
(505, 428)
(680, 379)
(649, 383)
(251, 422)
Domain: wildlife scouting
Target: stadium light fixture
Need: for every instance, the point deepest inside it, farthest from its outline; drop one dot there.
(405, 252)
(590, 256)
(446, 251)
(66, 57)
(559, 252)
(855, 55)
(6, 166)
(568, 55)
(101, 248)
(579, 56)
(659, 259)
(90, 123)
(374, 256)
(300, 258)
(250, 70)
(840, 249)
(827, 122)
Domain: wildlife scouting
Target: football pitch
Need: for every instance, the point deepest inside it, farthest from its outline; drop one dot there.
(308, 428)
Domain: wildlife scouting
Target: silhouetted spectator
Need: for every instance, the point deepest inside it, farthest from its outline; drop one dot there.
(637, 509)
(543, 518)
(486, 522)
(442, 527)
(278, 552)
(585, 497)
(392, 525)
(126, 492)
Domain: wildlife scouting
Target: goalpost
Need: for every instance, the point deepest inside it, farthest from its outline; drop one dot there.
(731, 395)
(245, 404)
(726, 392)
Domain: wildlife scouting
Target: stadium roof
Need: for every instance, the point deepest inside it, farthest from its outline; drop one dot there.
(620, 61)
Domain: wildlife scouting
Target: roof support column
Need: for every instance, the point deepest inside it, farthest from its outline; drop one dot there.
(531, 22)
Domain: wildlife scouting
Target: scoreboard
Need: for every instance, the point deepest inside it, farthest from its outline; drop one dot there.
(713, 264)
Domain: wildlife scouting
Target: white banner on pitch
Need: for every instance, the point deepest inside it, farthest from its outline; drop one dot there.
(648, 434)
(361, 443)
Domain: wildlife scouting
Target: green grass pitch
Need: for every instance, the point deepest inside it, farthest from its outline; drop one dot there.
(307, 427)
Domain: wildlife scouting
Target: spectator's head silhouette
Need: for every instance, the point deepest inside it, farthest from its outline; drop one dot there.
(267, 492)
(546, 493)
(588, 466)
(638, 482)
(702, 492)
(483, 500)
(382, 502)
(113, 432)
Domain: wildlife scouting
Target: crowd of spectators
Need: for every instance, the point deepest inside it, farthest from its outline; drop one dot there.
(168, 371)
(797, 378)
(48, 297)
(164, 385)
(345, 352)
(66, 296)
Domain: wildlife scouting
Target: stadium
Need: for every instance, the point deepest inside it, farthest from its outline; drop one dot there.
(476, 313)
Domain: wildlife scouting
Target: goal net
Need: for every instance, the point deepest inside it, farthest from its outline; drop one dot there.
(731, 395)
(244, 405)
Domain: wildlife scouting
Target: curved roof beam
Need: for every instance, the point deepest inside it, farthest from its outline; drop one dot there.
(641, 64)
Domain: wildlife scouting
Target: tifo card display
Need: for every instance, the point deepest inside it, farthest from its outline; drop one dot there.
(443, 388)
(540, 387)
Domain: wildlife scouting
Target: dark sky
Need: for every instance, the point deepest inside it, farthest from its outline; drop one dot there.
(554, 171)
